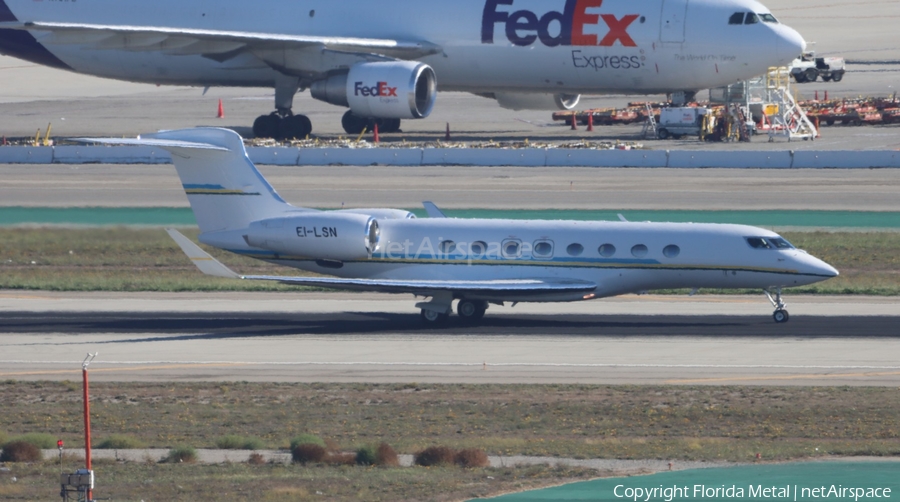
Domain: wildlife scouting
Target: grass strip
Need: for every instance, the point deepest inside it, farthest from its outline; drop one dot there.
(146, 259)
(581, 421)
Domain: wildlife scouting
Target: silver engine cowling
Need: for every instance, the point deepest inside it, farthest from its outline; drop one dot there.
(535, 101)
(315, 235)
(389, 90)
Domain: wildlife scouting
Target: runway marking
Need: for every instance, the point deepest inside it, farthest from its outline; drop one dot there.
(112, 370)
(177, 364)
(779, 377)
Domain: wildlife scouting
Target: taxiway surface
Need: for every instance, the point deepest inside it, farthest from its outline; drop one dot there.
(379, 338)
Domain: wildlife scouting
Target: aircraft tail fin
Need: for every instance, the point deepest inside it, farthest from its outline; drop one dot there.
(224, 188)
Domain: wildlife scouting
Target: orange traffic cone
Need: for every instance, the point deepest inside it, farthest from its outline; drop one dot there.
(590, 127)
(221, 113)
(574, 122)
(375, 130)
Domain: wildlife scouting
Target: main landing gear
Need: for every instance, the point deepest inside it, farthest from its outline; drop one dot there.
(437, 311)
(282, 123)
(781, 314)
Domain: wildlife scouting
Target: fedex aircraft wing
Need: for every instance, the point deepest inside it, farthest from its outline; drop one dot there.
(385, 61)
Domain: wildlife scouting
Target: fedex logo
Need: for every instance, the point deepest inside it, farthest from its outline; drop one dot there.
(524, 27)
(380, 89)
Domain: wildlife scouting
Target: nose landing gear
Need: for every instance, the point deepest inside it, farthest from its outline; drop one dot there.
(781, 314)
(282, 125)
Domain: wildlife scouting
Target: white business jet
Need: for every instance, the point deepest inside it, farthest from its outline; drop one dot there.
(476, 262)
(384, 61)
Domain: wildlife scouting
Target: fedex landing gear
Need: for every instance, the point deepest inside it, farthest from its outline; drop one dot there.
(282, 123)
(781, 314)
(354, 124)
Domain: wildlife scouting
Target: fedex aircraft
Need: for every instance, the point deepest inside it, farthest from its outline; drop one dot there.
(475, 262)
(385, 61)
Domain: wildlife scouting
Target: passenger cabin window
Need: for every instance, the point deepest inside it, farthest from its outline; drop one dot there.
(542, 249)
(768, 18)
(478, 248)
(751, 18)
(448, 247)
(575, 249)
(736, 18)
(512, 248)
(671, 251)
(639, 251)
(607, 250)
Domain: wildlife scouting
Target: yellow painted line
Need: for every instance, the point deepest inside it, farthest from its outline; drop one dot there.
(825, 376)
(27, 297)
(201, 259)
(129, 368)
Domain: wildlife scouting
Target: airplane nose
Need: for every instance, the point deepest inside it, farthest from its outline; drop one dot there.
(823, 269)
(790, 44)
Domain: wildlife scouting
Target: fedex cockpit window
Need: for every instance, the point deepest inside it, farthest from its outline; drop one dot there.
(768, 243)
(736, 18)
(768, 18)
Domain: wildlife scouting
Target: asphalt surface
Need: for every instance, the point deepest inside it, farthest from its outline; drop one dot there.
(379, 338)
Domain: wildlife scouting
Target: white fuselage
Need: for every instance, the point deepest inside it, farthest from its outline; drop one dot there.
(620, 257)
(645, 46)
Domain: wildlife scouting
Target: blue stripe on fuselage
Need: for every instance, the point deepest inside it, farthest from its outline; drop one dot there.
(21, 44)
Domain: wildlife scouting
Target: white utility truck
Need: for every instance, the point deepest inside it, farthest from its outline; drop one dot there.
(808, 68)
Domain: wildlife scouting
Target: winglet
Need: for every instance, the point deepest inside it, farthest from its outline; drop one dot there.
(432, 210)
(206, 263)
(622, 218)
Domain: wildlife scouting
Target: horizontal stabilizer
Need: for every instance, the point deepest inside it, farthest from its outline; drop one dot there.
(206, 263)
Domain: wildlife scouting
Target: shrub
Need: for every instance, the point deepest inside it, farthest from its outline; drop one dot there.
(38, 439)
(472, 457)
(120, 442)
(3, 439)
(332, 445)
(365, 456)
(182, 454)
(385, 455)
(434, 456)
(307, 439)
(307, 452)
(20, 451)
(232, 442)
(256, 459)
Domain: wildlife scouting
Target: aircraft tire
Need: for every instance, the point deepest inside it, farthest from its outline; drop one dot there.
(267, 126)
(470, 310)
(353, 124)
(781, 316)
(433, 318)
(389, 125)
(295, 127)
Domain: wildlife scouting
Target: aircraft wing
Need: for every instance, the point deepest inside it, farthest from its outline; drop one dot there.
(508, 287)
(283, 51)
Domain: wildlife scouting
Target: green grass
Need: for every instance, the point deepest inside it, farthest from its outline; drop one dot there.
(307, 439)
(235, 442)
(278, 482)
(120, 442)
(182, 454)
(587, 421)
(42, 440)
(129, 259)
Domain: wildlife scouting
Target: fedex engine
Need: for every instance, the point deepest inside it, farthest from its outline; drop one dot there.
(389, 90)
(337, 235)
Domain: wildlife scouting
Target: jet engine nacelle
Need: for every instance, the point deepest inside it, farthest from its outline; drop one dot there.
(389, 90)
(328, 236)
(534, 101)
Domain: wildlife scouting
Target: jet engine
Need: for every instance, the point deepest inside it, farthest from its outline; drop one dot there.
(534, 101)
(389, 90)
(317, 235)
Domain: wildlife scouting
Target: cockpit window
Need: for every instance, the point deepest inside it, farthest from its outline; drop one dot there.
(751, 18)
(768, 18)
(769, 243)
(736, 18)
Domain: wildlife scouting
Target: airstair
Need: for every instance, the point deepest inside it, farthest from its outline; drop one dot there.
(788, 119)
(650, 126)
